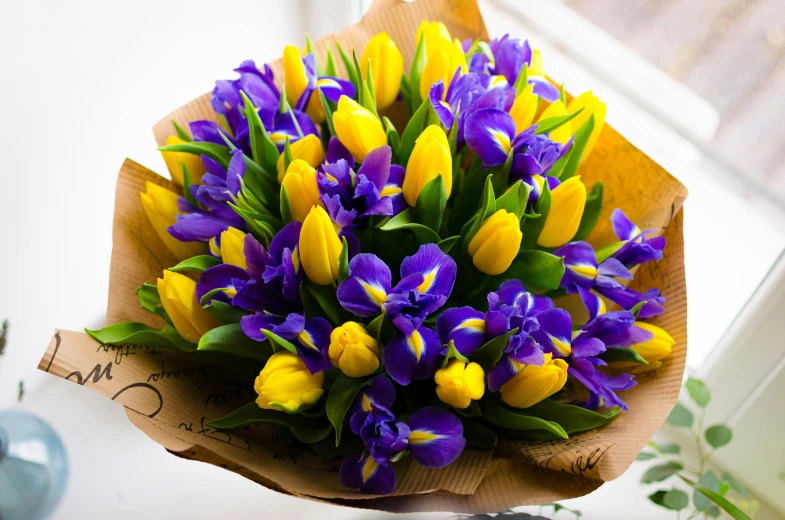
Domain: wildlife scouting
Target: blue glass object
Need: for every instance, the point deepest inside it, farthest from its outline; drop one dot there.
(33, 467)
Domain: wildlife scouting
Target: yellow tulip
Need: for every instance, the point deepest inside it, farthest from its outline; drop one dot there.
(430, 157)
(496, 244)
(320, 248)
(435, 33)
(441, 64)
(592, 106)
(564, 217)
(160, 205)
(357, 128)
(353, 351)
(387, 68)
(285, 383)
(178, 297)
(534, 383)
(295, 79)
(233, 247)
(524, 108)
(309, 149)
(459, 383)
(653, 351)
(302, 189)
(175, 161)
(565, 131)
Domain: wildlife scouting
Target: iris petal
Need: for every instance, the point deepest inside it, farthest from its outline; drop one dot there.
(367, 475)
(366, 289)
(436, 437)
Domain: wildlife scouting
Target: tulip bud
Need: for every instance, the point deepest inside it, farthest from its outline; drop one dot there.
(309, 149)
(534, 383)
(567, 202)
(565, 131)
(434, 33)
(592, 106)
(387, 68)
(233, 247)
(161, 208)
(357, 128)
(285, 383)
(459, 383)
(441, 64)
(353, 351)
(524, 108)
(178, 297)
(175, 161)
(302, 189)
(653, 351)
(430, 157)
(496, 244)
(320, 248)
(295, 78)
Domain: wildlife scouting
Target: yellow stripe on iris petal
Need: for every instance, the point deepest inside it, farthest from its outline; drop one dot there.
(503, 140)
(230, 292)
(278, 137)
(306, 340)
(423, 437)
(587, 271)
(366, 403)
(476, 324)
(564, 349)
(214, 249)
(427, 282)
(377, 294)
(390, 190)
(445, 105)
(327, 82)
(416, 344)
(369, 468)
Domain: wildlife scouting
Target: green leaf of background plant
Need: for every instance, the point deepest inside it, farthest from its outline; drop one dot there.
(680, 416)
(721, 501)
(340, 398)
(709, 480)
(735, 484)
(675, 499)
(642, 456)
(718, 436)
(660, 472)
(307, 431)
(670, 448)
(230, 339)
(698, 391)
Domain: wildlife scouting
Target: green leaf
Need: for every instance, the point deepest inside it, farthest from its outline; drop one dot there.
(197, 264)
(286, 210)
(375, 327)
(187, 187)
(718, 436)
(642, 456)
(515, 199)
(698, 391)
(591, 212)
(150, 300)
(328, 112)
(230, 339)
(500, 176)
(552, 123)
(467, 184)
(340, 398)
(182, 134)
(263, 150)
(305, 430)
(405, 220)
(623, 354)
(216, 152)
(415, 72)
(452, 353)
(721, 501)
(491, 352)
(487, 208)
(576, 150)
(670, 448)
(502, 416)
(447, 244)
(735, 484)
(714, 512)
(478, 436)
(607, 251)
(709, 480)
(680, 416)
(660, 472)
(132, 333)
(431, 204)
(393, 139)
(330, 69)
(675, 499)
(413, 129)
(351, 72)
(473, 410)
(343, 261)
(277, 342)
(537, 270)
(350, 446)
(324, 295)
(574, 419)
(532, 226)
(224, 312)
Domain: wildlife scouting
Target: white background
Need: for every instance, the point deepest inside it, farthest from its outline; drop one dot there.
(82, 83)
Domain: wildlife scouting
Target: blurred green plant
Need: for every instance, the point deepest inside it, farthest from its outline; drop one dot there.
(710, 493)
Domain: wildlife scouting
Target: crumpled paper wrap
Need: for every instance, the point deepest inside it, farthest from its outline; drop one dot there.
(172, 396)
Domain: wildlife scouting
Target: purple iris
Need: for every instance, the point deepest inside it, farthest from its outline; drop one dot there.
(426, 282)
(352, 197)
(311, 337)
(582, 271)
(509, 55)
(332, 88)
(218, 187)
(535, 154)
(433, 436)
(637, 248)
(469, 328)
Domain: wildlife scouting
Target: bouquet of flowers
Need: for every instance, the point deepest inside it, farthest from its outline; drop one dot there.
(392, 261)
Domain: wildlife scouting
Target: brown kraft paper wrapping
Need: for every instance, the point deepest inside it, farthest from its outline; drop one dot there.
(172, 396)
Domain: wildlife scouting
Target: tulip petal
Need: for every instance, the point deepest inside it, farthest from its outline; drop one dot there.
(367, 475)
(412, 357)
(366, 289)
(489, 133)
(463, 325)
(436, 437)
